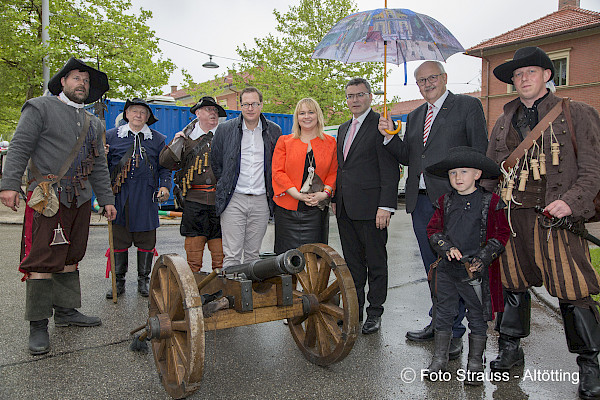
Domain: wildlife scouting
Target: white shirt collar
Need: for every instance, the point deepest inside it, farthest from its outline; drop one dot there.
(123, 131)
(440, 102)
(198, 132)
(361, 118)
(259, 126)
(68, 101)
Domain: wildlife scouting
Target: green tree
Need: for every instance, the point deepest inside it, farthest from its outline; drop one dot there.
(282, 68)
(103, 33)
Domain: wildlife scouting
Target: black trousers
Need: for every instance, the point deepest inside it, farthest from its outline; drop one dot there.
(366, 256)
(451, 286)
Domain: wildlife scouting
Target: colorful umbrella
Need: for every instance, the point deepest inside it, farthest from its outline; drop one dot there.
(365, 36)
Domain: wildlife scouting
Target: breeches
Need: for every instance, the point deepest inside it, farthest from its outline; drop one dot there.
(37, 255)
(556, 258)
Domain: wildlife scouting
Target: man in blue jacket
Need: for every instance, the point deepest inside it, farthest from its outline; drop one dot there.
(138, 182)
(241, 161)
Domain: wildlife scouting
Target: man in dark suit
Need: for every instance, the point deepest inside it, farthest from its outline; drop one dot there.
(446, 120)
(366, 196)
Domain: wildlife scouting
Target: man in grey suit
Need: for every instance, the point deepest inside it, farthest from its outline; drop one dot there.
(446, 120)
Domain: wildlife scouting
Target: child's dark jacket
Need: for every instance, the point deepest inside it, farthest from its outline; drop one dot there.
(494, 225)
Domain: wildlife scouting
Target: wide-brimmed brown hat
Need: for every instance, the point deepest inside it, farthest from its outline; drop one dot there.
(524, 57)
(139, 102)
(98, 80)
(208, 101)
(465, 157)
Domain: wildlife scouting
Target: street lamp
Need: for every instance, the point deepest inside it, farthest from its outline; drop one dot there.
(210, 63)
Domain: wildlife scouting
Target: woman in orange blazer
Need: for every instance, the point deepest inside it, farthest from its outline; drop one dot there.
(300, 217)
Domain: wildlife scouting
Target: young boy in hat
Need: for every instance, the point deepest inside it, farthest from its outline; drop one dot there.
(468, 231)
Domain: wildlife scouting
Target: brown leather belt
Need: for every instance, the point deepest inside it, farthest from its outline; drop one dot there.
(204, 188)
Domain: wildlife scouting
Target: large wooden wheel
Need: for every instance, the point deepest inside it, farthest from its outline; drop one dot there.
(176, 326)
(327, 288)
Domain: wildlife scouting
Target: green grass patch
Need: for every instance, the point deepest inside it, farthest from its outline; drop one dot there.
(595, 255)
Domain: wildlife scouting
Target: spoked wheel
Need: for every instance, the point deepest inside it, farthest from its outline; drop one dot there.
(325, 282)
(176, 326)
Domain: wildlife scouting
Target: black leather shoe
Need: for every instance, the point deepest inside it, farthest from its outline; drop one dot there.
(371, 325)
(456, 346)
(424, 335)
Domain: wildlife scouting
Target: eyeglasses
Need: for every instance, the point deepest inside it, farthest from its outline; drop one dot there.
(248, 105)
(357, 95)
(430, 79)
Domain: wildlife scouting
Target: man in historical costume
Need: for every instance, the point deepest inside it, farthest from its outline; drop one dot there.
(189, 155)
(241, 160)
(139, 183)
(365, 198)
(52, 131)
(557, 258)
(444, 121)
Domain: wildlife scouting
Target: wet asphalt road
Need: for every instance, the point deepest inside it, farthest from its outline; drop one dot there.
(259, 361)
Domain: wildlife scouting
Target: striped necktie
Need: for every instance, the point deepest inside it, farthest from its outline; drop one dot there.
(428, 123)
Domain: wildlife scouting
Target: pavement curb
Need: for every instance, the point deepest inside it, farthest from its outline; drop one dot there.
(542, 295)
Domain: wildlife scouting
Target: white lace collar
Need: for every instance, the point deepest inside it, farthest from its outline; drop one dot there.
(68, 101)
(123, 131)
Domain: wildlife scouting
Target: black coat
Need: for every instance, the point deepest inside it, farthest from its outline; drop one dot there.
(369, 176)
(226, 158)
(460, 122)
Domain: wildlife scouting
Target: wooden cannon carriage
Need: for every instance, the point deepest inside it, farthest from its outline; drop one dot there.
(311, 287)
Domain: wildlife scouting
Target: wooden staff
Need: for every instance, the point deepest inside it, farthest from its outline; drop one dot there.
(112, 261)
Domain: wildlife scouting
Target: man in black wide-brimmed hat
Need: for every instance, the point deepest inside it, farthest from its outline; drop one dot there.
(189, 155)
(139, 183)
(539, 121)
(63, 145)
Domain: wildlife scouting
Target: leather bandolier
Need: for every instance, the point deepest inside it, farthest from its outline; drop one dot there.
(81, 167)
(196, 178)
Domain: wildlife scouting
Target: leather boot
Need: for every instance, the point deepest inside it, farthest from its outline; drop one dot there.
(583, 337)
(121, 266)
(38, 308)
(513, 324)
(475, 363)
(194, 249)
(426, 334)
(66, 297)
(439, 363)
(456, 347)
(216, 252)
(144, 267)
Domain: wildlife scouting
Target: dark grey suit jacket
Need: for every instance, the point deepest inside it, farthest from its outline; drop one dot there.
(368, 178)
(460, 122)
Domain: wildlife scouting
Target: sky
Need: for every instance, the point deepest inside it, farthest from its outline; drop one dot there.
(219, 27)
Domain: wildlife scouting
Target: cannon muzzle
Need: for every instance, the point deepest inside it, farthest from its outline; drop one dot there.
(290, 262)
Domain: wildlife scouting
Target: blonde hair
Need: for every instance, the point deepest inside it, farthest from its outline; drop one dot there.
(312, 105)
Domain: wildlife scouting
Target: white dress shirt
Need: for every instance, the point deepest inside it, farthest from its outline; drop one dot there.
(252, 169)
(198, 132)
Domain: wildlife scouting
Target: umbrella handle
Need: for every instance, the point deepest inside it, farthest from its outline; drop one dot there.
(395, 131)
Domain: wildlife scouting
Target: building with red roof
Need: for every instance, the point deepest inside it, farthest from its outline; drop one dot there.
(570, 37)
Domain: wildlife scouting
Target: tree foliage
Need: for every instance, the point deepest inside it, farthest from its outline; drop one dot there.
(102, 33)
(282, 68)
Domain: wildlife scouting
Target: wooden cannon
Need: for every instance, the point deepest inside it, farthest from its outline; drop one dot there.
(311, 287)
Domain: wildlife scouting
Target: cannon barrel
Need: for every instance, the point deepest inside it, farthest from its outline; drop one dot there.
(290, 262)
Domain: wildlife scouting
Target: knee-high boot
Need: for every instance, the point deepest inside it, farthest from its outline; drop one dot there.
(194, 249)
(216, 252)
(66, 297)
(439, 362)
(475, 363)
(513, 324)
(38, 308)
(144, 267)
(582, 330)
(121, 261)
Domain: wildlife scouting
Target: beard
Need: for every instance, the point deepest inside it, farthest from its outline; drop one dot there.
(76, 96)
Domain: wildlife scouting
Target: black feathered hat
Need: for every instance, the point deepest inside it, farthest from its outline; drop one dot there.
(465, 157)
(98, 80)
(524, 57)
(139, 102)
(207, 101)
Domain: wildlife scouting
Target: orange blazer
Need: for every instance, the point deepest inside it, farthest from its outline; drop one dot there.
(289, 157)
